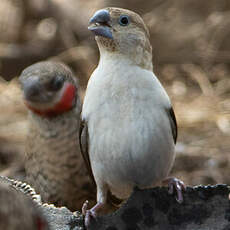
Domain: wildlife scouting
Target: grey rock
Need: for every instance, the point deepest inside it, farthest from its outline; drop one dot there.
(57, 218)
(17, 210)
(204, 208)
(62, 218)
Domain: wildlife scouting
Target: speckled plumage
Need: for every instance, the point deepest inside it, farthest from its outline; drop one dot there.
(54, 165)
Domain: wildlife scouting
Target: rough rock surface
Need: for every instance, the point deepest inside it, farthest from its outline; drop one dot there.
(57, 218)
(62, 218)
(204, 207)
(17, 210)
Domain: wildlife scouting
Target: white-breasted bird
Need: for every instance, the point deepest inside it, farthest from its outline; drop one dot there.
(129, 131)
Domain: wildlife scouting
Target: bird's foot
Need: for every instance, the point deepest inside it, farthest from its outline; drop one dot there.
(175, 184)
(90, 213)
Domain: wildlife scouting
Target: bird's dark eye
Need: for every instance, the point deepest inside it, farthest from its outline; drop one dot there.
(56, 83)
(124, 20)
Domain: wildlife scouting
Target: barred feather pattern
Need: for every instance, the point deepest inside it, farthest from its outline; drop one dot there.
(54, 165)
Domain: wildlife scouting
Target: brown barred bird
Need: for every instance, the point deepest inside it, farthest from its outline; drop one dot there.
(54, 165)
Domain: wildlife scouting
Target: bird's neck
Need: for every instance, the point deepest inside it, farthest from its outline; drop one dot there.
(114, 60)
(139, 54)
(139, 58)
(56, 126)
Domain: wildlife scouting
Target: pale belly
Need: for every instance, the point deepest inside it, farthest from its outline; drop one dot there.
(130, 137)
(128, 153)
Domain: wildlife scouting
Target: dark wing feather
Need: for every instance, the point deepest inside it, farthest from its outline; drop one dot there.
(173, 123)
(84, 143)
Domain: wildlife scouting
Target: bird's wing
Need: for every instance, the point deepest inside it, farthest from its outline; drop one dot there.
(84, 144)
(173, 123)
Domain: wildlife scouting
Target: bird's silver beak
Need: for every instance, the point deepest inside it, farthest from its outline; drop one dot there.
(31, 90)
(100, 24)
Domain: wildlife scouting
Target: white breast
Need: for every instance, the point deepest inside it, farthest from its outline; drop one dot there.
(130, 136)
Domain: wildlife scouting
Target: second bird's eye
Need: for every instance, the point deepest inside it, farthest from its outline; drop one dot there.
(56, 83)
(124, 20)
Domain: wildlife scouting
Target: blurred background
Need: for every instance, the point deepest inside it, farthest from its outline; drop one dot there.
(191, 56)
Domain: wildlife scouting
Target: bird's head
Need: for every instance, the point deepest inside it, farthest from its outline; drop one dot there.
(49, 88)
(122, 31)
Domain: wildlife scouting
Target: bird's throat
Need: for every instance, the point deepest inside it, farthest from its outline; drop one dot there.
(66, 102)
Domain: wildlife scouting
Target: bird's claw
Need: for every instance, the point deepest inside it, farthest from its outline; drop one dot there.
(90, 213)
(84, 207)
(178, 186)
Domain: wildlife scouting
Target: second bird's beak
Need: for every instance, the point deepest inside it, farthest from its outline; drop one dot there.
(32, 90)
(100, 24)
